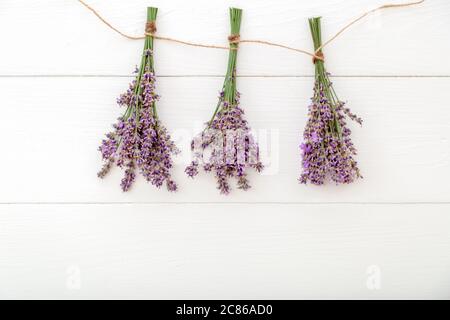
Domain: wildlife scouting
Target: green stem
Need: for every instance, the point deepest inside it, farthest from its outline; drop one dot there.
(145, 61)
(151, 17)
(229, 85)
(322, 78)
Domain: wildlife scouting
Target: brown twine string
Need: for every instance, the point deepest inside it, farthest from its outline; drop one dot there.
(150, 30)
(272, 44)
(150, 27)
(320, 55)
(234, 39)
(187, 43)
(365, 14)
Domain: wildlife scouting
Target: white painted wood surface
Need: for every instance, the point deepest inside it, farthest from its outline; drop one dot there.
(66, 234)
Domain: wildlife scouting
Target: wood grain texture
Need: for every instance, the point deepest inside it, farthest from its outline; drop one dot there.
(404, 143)
(62, 37)
(223, 252)
(60, 72)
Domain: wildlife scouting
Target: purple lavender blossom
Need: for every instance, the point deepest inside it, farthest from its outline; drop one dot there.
(130, 175)
(139, 140)
(327, 150)
(227, 148)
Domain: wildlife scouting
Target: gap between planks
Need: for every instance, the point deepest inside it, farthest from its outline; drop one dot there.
(212, 76)
(406, 203)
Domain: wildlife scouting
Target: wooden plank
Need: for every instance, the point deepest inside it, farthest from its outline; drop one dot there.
(225, 251)
(51, 128)
(62, 37)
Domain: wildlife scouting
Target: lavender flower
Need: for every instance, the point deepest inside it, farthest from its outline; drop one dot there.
(327, 150)
(227, 147)
(139, 141)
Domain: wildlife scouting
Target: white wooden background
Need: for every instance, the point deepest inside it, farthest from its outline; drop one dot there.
(66, 234)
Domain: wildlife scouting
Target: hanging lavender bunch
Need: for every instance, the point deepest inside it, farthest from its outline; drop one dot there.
(327, 150)
(139, 140)
(226, 146)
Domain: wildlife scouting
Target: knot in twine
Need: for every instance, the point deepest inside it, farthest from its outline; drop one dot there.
(150, 28)
(234, 38)
(318, 56)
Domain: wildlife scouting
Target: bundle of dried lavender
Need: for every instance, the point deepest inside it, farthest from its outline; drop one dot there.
(327, 150)
(227, 139)
(139, 140)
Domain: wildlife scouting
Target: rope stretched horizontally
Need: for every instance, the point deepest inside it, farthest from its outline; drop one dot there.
(150, 30)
